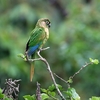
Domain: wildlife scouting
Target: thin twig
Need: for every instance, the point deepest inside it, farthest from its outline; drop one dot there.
(67, 82)
(71, 77)
(49, 69)
(61, 78)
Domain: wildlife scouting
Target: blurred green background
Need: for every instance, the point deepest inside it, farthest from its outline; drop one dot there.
(74, 37)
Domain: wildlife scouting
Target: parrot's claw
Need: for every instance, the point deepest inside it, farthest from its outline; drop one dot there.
(26, 56)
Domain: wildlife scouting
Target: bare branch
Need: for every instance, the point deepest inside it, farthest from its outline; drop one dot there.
(49, 70)
(38, 93)
(67, 82)
(51, 74)
(71, 77)
(61, 78)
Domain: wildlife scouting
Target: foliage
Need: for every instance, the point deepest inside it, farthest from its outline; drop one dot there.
(71, 93)
(94, 61)
(50, 93)
(95, 98)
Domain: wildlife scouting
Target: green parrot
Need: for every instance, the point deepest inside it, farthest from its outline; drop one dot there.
(37, 39)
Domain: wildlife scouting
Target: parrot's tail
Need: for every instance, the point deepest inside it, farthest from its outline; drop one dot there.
(31, 72)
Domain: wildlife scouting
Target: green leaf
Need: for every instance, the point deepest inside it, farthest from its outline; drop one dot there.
(51, 93)
(71, 93)
(22, 56)
(44, 96)
(95, 98)
(2, 95)
(34, 97)
(44, 90)
(52, 87)
(28, 97)
(0, 90)
(8, 98)
(60, 87)
(94, 61)
(70, 80)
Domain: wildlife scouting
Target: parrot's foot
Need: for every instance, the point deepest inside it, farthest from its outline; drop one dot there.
(26, 56)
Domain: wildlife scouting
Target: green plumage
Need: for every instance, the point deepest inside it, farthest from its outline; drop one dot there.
(38, 37)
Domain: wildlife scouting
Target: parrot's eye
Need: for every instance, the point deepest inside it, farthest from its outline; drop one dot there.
(48, 23)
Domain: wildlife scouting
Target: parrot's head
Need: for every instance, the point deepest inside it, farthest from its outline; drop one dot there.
(44, 22)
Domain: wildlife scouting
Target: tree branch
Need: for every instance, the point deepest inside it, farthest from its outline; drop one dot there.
(38, 93)
(67, 82)
(71, 77)
(49, 70)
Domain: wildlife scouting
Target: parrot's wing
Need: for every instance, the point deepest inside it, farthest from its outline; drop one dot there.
(36, 38)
